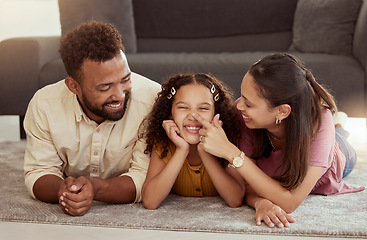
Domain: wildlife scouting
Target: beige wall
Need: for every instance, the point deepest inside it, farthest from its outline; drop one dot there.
(20, 18)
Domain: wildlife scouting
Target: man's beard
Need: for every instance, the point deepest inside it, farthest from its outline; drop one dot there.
(103, 113)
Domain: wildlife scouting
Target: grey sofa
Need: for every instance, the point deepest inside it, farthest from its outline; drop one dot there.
(224, 38)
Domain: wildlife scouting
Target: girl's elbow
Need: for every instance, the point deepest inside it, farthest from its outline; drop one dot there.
(150, 205)
(235, 203)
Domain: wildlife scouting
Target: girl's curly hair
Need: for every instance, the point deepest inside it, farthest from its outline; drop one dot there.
(152, 125)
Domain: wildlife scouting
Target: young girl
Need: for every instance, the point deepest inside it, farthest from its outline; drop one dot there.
(177, 162)
(287, 147)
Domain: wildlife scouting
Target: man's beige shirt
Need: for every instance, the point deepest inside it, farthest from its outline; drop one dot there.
(63, 141)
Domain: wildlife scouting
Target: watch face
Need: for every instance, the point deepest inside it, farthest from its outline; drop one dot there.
(237, 162)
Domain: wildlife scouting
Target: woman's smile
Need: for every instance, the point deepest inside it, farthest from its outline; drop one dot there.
(245, 118)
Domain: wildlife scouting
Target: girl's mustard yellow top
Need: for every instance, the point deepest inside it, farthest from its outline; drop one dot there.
(192, 181)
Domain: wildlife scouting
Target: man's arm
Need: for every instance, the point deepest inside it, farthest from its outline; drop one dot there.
(42, 165)
(116, 190)
(136, 175)
(46, 188)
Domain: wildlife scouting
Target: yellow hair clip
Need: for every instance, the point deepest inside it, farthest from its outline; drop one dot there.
(173, 92)
(216, 97)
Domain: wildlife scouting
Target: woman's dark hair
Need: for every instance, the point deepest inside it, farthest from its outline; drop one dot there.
(283, 79)
(152, 126)
(92, 40)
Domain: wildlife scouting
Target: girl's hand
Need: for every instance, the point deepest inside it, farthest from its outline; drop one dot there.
(271, 214)
(173, 133)
(214, 140)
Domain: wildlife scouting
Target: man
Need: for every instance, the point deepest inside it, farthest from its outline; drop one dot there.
(82, 132)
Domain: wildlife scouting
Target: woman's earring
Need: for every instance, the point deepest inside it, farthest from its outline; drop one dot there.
(277, 121)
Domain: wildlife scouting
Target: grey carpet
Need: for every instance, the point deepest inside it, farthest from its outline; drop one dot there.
(333, 216)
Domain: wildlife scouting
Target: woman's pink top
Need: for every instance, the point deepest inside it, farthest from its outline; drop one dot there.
(325, 153)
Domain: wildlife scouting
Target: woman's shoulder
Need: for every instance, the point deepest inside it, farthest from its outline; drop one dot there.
(322, 145)
(326, 119)
(327, 124)
(325, 112)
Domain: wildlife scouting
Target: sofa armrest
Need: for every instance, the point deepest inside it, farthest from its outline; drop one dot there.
(21, 60)
(360, 37)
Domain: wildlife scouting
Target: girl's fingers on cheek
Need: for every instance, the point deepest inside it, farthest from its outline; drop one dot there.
(173, 129)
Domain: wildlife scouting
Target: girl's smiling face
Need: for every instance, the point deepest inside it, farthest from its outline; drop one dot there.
(189, 99)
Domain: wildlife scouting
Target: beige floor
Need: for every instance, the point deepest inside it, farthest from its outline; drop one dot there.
(31, 231)
(9, 130)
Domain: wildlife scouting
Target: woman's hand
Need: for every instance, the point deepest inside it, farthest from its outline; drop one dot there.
(214, 139)
(202, 152)
(271, 214)
(173, 133)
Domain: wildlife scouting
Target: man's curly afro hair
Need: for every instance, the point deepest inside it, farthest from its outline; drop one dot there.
(92, 40)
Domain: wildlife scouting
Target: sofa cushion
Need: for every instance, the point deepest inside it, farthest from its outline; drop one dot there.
(208, 18)
(280, 41)
(325, 26)
(52, 72)
(117, 12)
(341, 74)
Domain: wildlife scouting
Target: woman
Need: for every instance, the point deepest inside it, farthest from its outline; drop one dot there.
(288, 148)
